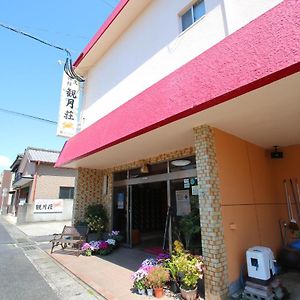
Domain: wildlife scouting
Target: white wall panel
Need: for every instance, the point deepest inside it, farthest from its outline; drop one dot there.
(153, 46)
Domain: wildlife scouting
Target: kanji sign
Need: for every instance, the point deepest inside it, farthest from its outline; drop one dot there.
(48, 206)
(68, 112)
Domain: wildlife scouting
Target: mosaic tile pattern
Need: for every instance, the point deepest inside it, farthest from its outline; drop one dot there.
(212, 233)
(88, 190)
(152, 160)
(89, 183)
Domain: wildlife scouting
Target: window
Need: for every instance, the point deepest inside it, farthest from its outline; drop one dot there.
(120, 175)
(194, 13)
(66, 192)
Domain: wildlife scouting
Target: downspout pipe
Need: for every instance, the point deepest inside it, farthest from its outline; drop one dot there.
(35, 181)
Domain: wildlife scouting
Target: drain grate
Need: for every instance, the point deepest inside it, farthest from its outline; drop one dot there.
(22, 240)
(24, 245)
(29, 248)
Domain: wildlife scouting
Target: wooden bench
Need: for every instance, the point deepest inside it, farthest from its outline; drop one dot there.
(72, 236)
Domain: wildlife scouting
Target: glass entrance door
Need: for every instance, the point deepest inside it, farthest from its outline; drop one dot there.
(148, 214)
(137, 195)
(185, 213)
(122, 211)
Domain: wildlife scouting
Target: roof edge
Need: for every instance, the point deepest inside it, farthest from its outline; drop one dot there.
(120, 6)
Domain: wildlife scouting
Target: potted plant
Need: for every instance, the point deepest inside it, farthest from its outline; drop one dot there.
(189, 225)
(157, 277)
(173, 270)
(187, 270)
(96, 219)
(190, 270)
(139, 278)
(149, 287)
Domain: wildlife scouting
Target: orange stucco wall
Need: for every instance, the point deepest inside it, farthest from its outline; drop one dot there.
(252, 195)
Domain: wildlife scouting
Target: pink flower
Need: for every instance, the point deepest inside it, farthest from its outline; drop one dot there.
(85, 246)
(103, 245)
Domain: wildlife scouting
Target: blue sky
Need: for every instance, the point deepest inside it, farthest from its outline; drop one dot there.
(30, 76)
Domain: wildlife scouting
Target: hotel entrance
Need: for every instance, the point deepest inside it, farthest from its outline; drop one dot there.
(157, 206)
(149, 212)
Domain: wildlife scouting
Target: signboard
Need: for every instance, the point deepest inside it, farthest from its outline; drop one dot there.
(186, 183)
(121, 201)
(195, 190)
(68, 111)
(48, 206)
(183, 204)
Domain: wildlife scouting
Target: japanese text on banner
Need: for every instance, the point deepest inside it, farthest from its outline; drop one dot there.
(68, 112)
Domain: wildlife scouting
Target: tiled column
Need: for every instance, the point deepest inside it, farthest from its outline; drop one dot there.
(213, 247)
(88, 190)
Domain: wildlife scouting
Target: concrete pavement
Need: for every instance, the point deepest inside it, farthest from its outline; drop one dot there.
(38, 228)
(109, 275)
(18, 277)
(36, 273)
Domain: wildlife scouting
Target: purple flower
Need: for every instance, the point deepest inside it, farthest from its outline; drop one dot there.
(94, 245)
(85, 246)
(139, 274)
(163, 256)
(149, 262)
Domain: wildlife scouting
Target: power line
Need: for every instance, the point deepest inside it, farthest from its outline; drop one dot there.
(65, 34)
(27, 116)
(35, 38)
(68, 68)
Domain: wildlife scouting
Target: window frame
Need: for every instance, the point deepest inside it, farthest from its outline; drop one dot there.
(71, 191)
(190, 7)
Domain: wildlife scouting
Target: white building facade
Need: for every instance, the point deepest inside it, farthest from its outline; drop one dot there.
(141, 48)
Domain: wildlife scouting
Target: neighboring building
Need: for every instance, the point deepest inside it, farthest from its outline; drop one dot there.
(42, 192)
(182, 103)
(5, 196)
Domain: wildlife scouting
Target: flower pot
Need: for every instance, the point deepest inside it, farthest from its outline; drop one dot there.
(136, 236)
(188, 294)
(174, 287)
(141, 291)
(93, 236)
(150, 292)
(200, 288)
(158, 292)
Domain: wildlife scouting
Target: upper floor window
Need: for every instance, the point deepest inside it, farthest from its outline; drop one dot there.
(194, 13)
(66, 192)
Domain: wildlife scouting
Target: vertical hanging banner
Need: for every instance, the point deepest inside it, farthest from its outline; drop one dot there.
(68, 111)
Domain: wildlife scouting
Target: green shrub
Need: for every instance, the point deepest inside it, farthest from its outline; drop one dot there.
(96, 218)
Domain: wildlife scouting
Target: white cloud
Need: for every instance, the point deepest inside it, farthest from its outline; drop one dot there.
(4, 162)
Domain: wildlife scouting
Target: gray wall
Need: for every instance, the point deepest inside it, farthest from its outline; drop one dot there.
(26, 214)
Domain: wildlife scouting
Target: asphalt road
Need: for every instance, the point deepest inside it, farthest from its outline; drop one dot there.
(18, 277)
